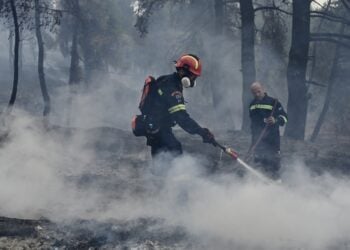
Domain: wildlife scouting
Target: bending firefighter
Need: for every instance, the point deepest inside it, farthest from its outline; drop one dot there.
(163, 106)
(267, 115)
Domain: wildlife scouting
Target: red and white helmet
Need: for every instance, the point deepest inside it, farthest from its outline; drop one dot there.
(191, 63)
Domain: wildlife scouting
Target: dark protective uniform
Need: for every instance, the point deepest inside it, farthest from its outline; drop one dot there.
(267, 151)
(168, 110)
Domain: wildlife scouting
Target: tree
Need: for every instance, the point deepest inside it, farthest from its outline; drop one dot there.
(22, 15)
(332, 80)
(75, 70)
(314, 47)
(69, 37)
(215, 75)
(247, 55)
(16, 52)
(296, 70)
(15, 13)
(41, 55)
(335, 97)
(91, 33)
(99, 38)
(72, 19)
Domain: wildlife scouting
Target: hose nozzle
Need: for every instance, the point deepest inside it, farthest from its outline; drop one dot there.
(232, 153)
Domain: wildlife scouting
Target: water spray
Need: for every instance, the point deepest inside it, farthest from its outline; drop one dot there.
(234, 155)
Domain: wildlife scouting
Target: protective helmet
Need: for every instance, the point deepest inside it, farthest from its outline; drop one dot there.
(191, 63)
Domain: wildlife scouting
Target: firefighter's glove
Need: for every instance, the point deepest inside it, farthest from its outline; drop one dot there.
(270, 120)
(207, 136)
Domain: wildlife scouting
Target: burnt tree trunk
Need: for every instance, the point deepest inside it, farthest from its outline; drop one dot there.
(74, 72)
(41, 55)
(247, 56)
(15, 59)
(296, 71)
(11, 50)
(331, 83)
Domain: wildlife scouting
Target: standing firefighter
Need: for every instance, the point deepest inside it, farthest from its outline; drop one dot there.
(163, 106)
(266, 114)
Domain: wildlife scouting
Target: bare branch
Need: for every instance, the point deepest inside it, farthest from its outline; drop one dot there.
(330, 35)
(319, 14)
(327, 39)
(330, 15)
(346, 22)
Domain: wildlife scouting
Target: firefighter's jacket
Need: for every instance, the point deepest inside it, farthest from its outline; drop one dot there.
(169, 106)
(259, 110)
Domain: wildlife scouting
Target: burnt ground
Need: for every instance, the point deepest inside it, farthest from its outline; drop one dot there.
(116, 149)
(143, 233)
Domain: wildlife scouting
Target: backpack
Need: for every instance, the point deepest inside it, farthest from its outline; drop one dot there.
(148, 93)
(142, 125)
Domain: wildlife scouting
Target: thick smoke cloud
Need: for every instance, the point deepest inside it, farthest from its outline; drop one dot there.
(40, 173)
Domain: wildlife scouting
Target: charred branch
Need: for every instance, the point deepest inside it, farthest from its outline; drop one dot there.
(331, 40)
(329, 16)
(330, 35)
(41, 54)
(16, 54)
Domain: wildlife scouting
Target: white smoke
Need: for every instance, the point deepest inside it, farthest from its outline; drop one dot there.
(304, 212)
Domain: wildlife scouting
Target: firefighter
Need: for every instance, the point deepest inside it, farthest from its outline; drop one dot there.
(267, 115)
(169, 107)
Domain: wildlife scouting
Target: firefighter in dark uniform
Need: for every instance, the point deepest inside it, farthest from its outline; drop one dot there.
(169, 108)
(267, 115)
